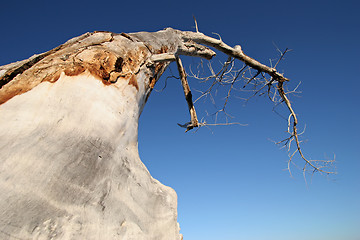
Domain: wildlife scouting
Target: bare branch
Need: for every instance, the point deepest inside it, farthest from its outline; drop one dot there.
(188, 96)
(295, 136)
(281, 56)
(273, 87)
(235, 52)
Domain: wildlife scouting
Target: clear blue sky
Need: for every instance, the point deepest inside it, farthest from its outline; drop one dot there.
(230, 181)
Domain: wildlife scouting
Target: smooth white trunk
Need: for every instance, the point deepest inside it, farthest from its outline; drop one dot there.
(70, 167)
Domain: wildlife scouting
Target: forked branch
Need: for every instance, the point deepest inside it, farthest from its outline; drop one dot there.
(273, 86)
(257, 78)
(316, 165)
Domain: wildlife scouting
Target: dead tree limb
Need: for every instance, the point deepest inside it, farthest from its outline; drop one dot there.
(188, 96)
(235, 52)
(157, 51)
(275, 78)
(295, 136)
(86, 112)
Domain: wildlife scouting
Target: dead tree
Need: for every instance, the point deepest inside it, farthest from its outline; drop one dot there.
(68, 133)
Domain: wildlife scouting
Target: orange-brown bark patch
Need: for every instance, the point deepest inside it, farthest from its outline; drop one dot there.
(105, 60)
(56, 77)
(74, 70)
(133, 82)
(9, 91)
(158, 69)
(53, 77)
(155, 77)
(152, 82)
(114, 77)
(134, 58)
(105, 65)
(99, 72)
(163, 49)
(6, 95)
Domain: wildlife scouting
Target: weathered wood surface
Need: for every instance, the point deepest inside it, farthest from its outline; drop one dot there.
(69, 162)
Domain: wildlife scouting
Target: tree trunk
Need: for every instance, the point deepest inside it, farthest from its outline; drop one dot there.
(70, 167)
(69, 162)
